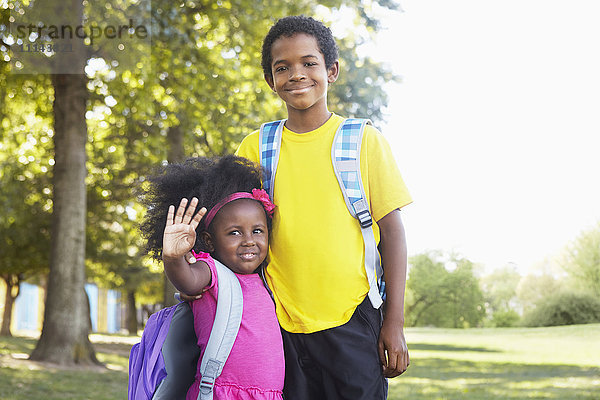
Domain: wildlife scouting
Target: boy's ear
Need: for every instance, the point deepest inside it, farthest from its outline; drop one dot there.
(207, 239)
(333, 72)
(269, 79)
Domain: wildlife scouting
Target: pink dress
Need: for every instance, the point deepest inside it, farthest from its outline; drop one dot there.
(255, 368)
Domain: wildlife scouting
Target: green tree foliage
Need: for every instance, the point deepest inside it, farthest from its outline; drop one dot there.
(359, 91)
(24, 230)
(25, 198)
(505, 318)
(533, 288)
(581, 261)
(443, 292)
(500, 293)
(564, 308)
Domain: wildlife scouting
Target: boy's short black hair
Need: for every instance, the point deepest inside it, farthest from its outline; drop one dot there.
(208, 179)
(289, 26)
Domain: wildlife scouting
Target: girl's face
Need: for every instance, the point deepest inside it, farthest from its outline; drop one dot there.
(238, 235)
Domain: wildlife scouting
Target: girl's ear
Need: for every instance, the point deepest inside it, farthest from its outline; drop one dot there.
(207, 239)
(333, 72)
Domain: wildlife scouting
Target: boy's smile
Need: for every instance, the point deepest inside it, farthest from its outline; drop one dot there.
(300, 76)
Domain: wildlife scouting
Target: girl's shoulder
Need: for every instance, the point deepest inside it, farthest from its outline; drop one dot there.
(207, 258)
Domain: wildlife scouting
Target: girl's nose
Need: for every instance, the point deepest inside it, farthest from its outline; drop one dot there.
(247, 240)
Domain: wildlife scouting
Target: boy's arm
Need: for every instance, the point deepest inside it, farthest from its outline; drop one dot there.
(393, 351)
(178, 239)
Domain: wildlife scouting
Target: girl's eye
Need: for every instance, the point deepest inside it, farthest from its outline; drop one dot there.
(279, 69)
(234, 232)
(258, 231)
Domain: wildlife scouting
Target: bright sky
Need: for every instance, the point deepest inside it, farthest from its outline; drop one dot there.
(496, 124)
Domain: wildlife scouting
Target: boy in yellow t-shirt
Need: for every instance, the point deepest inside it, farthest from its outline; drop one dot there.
(337, 345)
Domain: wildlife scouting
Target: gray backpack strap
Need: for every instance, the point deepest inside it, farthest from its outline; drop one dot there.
(269, 141)
(225, 328)
(345, 156)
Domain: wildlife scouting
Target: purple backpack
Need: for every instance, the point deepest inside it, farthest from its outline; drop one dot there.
(163, 364)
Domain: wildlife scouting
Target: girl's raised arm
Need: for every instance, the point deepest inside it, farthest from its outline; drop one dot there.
(178, 240)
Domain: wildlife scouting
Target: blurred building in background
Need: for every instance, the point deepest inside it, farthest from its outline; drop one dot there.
(107, 311)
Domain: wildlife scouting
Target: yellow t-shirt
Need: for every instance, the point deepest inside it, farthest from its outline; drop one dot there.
(316, 253)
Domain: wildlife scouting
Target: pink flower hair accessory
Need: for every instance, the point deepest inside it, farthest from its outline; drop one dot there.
(259, 195)
(262, 196)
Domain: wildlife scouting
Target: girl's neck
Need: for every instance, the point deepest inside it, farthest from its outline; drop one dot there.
(302, 121)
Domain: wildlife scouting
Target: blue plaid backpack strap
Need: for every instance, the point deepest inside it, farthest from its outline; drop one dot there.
(269, 141)
(345, 156)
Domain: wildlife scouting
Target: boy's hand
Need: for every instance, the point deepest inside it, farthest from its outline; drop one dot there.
(393, 351)
(189, 299)
(180, 231)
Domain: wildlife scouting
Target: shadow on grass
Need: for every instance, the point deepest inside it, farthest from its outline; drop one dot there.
(433, 378)
(24, 379)
(16, 344)
(55, 384)
(445, 347)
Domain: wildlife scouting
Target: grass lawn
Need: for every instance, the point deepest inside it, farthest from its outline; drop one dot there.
(23, 379)
(536, 363)
(515, 363)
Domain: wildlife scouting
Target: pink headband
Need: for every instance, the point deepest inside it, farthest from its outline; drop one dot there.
(257, 194)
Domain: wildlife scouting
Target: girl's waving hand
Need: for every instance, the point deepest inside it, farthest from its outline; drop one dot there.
(180, 229)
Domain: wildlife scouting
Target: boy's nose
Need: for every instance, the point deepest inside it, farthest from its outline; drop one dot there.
(296, 74)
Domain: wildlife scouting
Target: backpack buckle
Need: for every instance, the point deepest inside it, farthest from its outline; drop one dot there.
(207, 384)
(362, 213)
(209, 376)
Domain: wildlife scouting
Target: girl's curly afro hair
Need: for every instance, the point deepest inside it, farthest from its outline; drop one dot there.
(288, 27)
(208, 179)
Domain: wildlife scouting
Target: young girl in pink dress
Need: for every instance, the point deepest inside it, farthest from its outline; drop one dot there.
(235, 231)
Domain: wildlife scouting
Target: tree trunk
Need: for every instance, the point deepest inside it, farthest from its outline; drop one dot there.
(175, 153)
(64, 339)
(12, 281)
(132, 322)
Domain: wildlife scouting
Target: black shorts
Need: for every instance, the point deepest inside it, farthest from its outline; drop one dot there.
(337, 363)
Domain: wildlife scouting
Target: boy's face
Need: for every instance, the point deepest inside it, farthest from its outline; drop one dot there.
(299, 75)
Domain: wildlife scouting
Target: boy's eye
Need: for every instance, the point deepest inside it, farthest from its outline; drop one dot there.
(310, 64)
(279, 69)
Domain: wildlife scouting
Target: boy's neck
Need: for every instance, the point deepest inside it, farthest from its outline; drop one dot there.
(302, 121)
